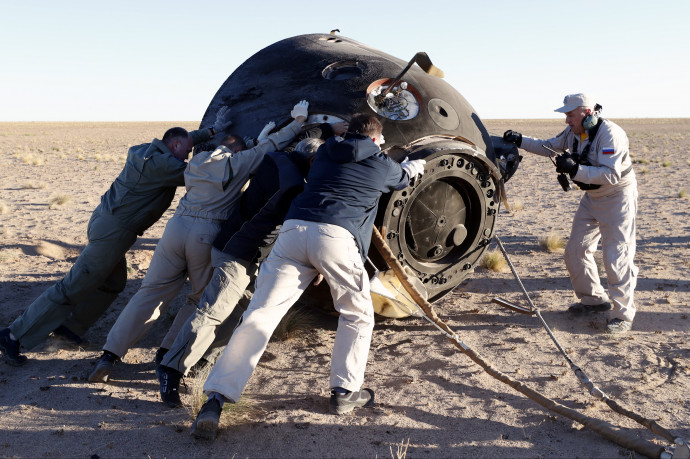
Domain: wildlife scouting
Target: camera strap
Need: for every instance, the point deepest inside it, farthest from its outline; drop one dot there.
(581, 158)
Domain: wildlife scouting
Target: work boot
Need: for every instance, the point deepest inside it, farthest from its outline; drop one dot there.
(618, 326)
(206, 423)
(10, 349)
(344, 403)
(103, 367)
(169, 379)
(581, 309)
(65, 334)
(160, 355)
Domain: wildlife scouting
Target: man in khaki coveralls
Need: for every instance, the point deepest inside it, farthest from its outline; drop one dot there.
(214, 180)
(599, 163)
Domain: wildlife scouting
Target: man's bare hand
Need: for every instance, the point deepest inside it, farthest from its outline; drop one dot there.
(318, 280)
(340, 128)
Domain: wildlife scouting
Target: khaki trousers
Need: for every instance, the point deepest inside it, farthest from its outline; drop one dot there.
(610, 218)
(211, 325)
(303, 250)
(183, 251)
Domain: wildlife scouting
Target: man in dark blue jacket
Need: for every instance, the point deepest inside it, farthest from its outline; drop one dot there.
(327, 231)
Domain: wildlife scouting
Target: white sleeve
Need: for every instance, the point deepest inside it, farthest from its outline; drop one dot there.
(558, 143)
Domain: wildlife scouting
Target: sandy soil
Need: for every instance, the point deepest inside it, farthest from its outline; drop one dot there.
(428, 393)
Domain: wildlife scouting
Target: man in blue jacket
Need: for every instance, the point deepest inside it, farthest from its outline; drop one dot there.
(327, 231)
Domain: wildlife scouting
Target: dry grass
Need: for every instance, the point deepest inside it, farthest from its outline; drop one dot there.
(34, 186)
(295, 324)
(59, 200)
(552, 243)
(401, 450)
(681, 194)
(517, 205)
(28, 158)
(235, 413)
(196, 390)
(4, 208)
(494, 260)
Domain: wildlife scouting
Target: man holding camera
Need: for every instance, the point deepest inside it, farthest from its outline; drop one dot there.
(597, 159)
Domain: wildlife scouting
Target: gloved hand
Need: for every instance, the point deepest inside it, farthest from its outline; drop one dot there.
(222, 120)
(565, 164)
(513, 137)
(249, 142)
(263, 135)
(413, 168)
(300, 109)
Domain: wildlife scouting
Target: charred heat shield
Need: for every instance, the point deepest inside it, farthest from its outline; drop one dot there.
(440, 225)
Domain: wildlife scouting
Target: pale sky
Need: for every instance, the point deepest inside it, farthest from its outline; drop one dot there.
(164, 60)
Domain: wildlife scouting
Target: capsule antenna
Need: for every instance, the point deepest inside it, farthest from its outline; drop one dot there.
(423, 61)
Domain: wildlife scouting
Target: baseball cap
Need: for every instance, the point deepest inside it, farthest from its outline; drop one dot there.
(572, 101)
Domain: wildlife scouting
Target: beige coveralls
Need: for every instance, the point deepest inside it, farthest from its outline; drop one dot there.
(214, 180)
(607, 213)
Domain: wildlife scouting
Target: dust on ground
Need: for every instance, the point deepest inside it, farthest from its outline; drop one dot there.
(427, 392)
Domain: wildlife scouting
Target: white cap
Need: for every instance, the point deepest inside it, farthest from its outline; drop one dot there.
(573, 101)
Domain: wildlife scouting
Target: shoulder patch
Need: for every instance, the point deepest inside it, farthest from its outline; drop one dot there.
(607, 151)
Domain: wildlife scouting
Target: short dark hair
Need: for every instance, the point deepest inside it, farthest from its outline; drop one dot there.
(232, 140)
(173, 133)
(365, 124)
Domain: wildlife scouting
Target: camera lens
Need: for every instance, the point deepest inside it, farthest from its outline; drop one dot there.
(563, 180)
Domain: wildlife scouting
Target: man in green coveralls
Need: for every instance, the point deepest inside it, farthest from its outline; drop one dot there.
(136, 200)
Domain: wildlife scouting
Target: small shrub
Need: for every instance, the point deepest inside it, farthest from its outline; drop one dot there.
(552, 243)
(3, 208)
(666, 163)
(34, 186)
(517, 206)
(401, 450)
(494, 260)
(59, 200)
(294, 324)
(681, 194)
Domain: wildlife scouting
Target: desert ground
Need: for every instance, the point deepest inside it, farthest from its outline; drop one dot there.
(430, 397)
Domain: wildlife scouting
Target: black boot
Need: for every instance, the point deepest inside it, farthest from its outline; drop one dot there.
(206, 424)
(342, 403)
(103, 367)
(10, 349)
(160, 355)
(169, 378)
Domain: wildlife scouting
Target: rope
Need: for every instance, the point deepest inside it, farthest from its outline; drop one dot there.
(603, 428)
(581, 375)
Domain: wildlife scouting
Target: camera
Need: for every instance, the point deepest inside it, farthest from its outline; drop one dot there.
(565, 183)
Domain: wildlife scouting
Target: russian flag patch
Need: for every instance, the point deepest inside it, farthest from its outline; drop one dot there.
(607, 151)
